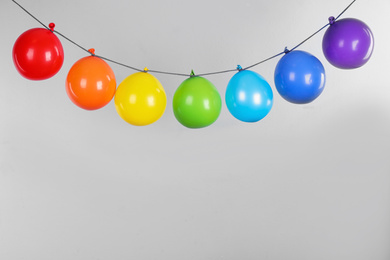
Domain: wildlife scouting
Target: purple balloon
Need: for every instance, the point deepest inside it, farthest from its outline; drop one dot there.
(348, 43)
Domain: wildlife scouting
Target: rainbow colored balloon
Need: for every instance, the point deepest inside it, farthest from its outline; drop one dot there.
(248, 96)
(38, 54)
(196, 103)
(348, 43)
(299, 77)
(140, 99)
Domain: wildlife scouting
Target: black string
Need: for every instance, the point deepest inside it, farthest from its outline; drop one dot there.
(217, 72)
(118, 63)
(30, 14)
(182, 74)
(63, 36)
(260, 62)
(311, 36)
(345, 9)
(169, 73)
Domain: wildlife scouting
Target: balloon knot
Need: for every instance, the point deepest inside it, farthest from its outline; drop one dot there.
(146, 69)
(332, 20)
(239, 68)
(51, 26)
(286, 50)
(192, 74)
(92, 51)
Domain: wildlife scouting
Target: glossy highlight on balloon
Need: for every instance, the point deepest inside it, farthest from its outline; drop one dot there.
(38, 54)
(299, 77)
(90, 83)
(140, 99)
(348, 43)
(248, 96)
(196, 103)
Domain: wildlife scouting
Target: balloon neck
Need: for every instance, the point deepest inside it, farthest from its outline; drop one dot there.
(286, 50)
(239, 68)
(332, 20)
(192, 74)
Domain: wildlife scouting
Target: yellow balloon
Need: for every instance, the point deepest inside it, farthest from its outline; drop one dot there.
(140, 99)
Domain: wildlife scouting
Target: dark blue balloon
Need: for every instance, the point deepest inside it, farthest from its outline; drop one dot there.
(299, 77)
(248, 97)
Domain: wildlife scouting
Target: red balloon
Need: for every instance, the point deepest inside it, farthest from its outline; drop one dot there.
(90, 83)
(38, 54)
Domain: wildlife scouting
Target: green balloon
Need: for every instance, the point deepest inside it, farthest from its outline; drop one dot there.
(196, 103)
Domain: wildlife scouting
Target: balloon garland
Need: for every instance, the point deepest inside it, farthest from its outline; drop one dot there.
(140, 99)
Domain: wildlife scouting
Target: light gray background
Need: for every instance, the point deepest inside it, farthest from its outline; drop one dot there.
(307, 182)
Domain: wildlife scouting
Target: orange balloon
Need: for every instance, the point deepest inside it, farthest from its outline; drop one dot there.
(91, 83)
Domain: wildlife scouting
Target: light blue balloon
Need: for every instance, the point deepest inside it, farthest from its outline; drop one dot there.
(248, 97)
(299, 77)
